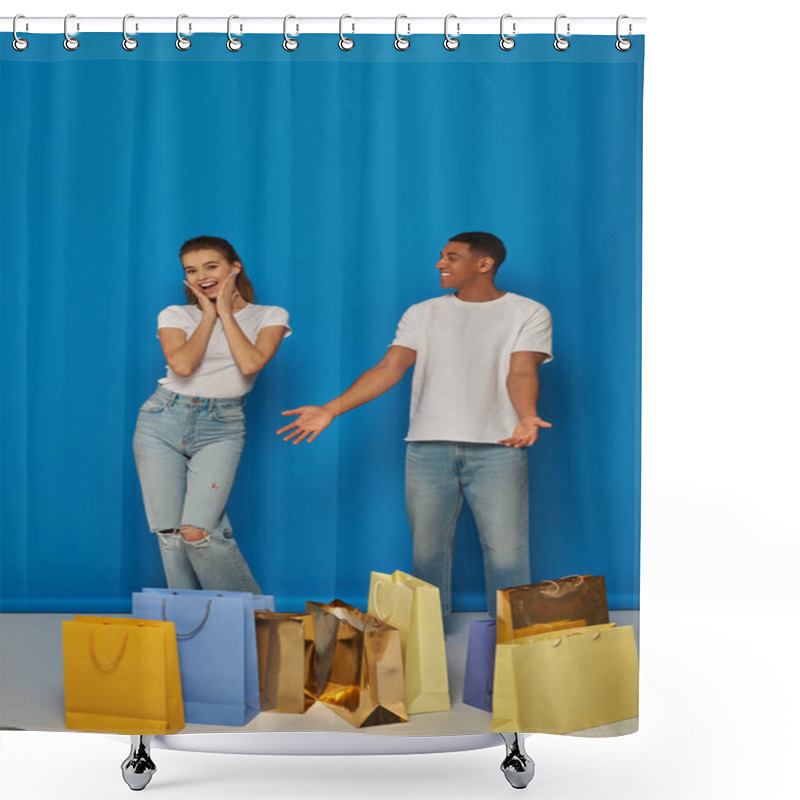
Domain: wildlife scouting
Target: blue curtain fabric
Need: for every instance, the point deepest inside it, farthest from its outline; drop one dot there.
(338, 176)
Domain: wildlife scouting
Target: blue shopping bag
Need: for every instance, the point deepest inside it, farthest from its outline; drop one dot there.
(479, 673)
(216, 650)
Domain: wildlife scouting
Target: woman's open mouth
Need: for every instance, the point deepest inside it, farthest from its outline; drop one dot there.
(208, 286)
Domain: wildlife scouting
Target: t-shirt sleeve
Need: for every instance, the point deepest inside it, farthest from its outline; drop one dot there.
(174, 317)
(407, 334)
(536, 334)
(275, 315)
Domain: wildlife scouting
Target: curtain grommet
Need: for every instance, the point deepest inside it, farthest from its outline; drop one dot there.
(507, 42)
(401, 42)
(233, 44)
(18, 43)
(451, 42)
(181, 42)
(561, 44)
(129, 43)
(289, 44)
(70, 42)
(345, 42)
(622, 44)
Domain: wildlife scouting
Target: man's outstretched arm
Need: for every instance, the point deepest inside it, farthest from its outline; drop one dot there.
(523, 390)
(312, 420)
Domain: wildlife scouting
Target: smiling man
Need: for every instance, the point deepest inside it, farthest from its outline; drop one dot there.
(476, 352)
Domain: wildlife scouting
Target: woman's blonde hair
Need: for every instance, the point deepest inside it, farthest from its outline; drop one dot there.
(225, 249)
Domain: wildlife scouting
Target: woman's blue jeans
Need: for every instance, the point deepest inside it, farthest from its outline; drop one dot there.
(187, 450)
(494, 480)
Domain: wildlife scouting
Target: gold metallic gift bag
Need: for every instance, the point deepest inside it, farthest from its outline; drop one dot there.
(566, 681)
(570, 602)
(359, 665)
(286, 661)
(121, 675)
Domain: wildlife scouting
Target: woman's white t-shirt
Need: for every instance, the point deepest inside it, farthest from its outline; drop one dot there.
(218, 374)
(458, 393)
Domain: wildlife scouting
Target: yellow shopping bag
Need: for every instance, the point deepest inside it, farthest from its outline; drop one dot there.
(566, 681)
(414, 608)
(121, 676)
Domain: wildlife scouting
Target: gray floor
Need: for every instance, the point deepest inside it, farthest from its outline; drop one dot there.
(32, 695)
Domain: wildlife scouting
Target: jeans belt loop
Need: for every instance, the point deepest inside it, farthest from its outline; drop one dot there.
(212, 403)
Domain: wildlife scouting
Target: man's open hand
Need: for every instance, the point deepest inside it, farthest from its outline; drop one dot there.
(526, 432)
(312, 420)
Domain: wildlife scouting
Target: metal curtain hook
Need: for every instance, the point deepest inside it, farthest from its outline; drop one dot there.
(623, 45)
(128, 42)
(507, 42)
(19, 43)
(289, 44)
(181, 42)
(561, 43)
(345, 43)
(234, 44)
(400, 42)
(451, 42)
(70, 42)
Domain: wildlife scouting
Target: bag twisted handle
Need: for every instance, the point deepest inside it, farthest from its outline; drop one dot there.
(190, 633)
(114, 661)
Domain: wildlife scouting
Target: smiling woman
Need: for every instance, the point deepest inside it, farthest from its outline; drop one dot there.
(190, 433)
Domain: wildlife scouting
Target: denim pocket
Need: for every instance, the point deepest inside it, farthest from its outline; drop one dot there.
(228, 414)
(153, 405)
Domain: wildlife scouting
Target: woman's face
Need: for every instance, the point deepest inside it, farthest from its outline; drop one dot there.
(206, 270)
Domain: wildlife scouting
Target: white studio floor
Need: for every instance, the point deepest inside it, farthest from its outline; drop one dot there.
(32, 695)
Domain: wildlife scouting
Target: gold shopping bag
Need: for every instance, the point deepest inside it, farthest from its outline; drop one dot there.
(566, 681)
(286, 662)
(121, 675)
(413, 607)
(359, 665)
(573, 601)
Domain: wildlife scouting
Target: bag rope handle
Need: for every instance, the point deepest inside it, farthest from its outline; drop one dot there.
(558, 641)
(114, 661)
(556, 588)
(190, 633)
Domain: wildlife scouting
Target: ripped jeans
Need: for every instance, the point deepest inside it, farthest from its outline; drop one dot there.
(187, 450)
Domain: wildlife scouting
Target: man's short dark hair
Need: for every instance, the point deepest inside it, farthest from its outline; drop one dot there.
(483, 244)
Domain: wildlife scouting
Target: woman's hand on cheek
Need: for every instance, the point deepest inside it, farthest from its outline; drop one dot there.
(204, 303)
(227, 295)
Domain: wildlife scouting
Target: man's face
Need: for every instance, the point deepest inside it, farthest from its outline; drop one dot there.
(458, 266)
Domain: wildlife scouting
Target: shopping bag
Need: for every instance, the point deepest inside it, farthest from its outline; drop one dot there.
(121, 676)
(479, 671)
(574, 601)
(216, 636)
(286, 664)
(413, 607)
(260, 602)
(359, 665)
(566, 681)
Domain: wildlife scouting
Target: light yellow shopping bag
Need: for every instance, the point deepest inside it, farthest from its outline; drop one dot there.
(121, 675)
(414, 608)
(566, 681)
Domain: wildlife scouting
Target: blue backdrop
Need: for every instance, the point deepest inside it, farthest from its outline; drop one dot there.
(338, 176)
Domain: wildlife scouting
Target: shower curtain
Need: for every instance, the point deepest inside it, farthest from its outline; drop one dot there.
(338, 176)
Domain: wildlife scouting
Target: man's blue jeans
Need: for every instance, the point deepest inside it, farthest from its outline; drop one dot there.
(187, 450)
(494, 480)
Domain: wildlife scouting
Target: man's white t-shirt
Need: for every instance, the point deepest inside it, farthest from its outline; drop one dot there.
(218, 374)
(459, 392)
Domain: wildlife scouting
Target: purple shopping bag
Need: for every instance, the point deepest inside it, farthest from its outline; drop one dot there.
(479, 674)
